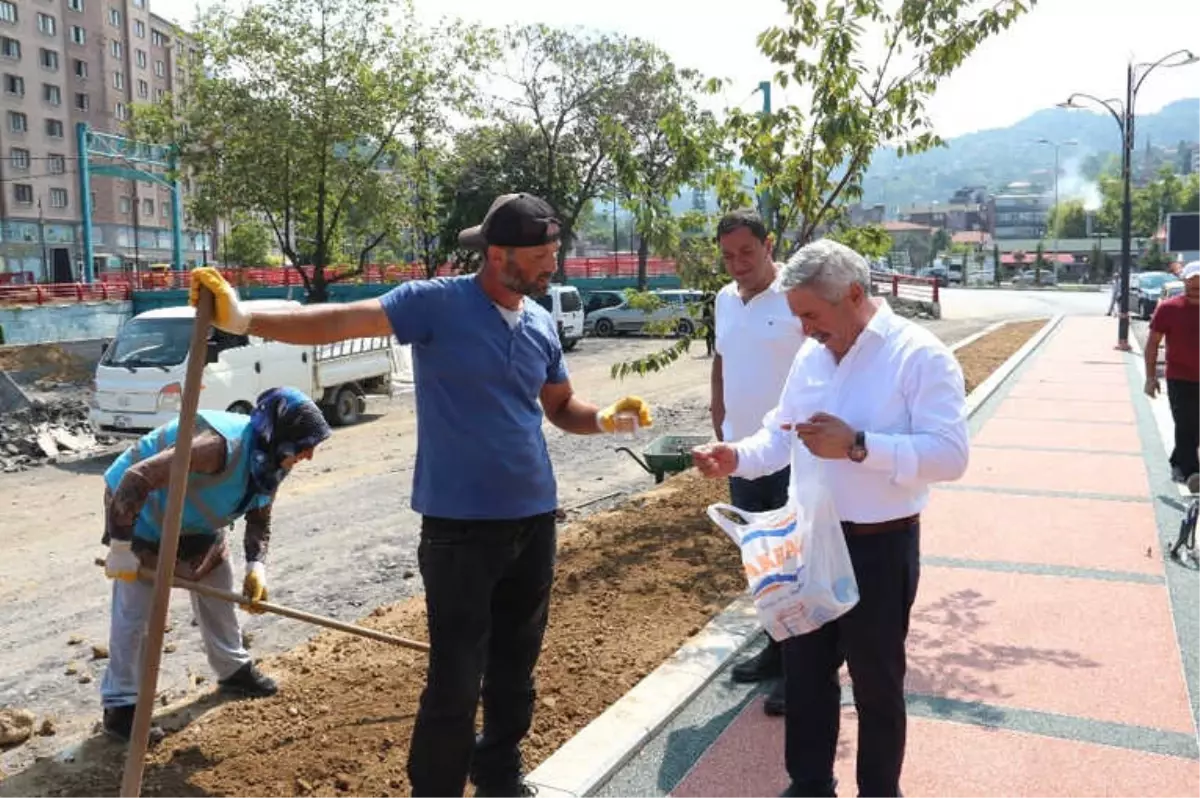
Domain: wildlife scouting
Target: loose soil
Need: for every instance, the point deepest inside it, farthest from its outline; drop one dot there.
(49, 362)
(633, 583)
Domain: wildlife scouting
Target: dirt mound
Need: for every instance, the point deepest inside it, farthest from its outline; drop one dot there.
(46, 362)
(45, 430)
(981, 358)
(632, 585)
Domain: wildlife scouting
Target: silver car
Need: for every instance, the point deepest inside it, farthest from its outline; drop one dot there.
(680, 308)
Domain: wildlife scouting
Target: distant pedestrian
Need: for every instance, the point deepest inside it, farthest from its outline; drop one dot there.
(757, 338)
(881, 401)
(1114, 294)
(1177, 321)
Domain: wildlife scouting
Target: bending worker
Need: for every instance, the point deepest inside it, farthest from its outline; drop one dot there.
(237, 464)
(489, 366)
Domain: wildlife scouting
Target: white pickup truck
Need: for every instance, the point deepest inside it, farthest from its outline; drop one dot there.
(139, 380)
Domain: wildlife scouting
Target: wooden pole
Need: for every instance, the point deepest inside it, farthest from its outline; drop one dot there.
(287, 612)
(135, 762)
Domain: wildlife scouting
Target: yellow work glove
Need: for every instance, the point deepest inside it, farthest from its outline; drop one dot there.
(229, 315)
(606, 419)
(254, 586)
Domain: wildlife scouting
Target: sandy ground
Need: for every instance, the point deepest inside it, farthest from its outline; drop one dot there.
(344, 541)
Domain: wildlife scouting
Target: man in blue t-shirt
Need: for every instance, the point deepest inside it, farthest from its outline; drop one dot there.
(487, 366)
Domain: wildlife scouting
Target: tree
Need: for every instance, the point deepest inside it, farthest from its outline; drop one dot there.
(1067, 220)
(997, 271)
(661, 142)
(248, 242)
(941, 241)
(811, 161)
(1151, 203)
(296, 115)
(571, 89)
(1039, 263)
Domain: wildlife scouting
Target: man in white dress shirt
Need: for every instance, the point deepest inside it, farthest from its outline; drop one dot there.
(757, 338)
(889, 421)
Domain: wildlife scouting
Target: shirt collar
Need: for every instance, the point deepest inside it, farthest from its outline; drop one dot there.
(881, 321)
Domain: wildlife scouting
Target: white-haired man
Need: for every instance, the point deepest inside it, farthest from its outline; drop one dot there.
(881, 400)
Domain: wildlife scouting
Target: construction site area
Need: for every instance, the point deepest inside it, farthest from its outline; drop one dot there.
(641, 570)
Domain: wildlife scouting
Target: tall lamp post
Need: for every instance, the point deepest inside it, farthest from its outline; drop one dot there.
(1057, 145)
(1124, 113)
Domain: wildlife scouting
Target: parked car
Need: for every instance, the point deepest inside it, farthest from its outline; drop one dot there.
(1173, 288)
(599, 300)
(1145, 288)
(139, 380)
(937, 273)
(680, 307)
(1033, 277)
(566, 306)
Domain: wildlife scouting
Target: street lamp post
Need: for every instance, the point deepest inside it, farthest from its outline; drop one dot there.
(1124, 113)
(1057, 210)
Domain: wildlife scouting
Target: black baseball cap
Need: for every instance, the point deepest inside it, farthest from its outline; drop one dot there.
(514, 220)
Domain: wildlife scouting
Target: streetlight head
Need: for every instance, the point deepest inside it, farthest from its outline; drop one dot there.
(1188, 58)
(1069, 103)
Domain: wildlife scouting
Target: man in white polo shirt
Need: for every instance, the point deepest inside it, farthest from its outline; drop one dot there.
(756, 341)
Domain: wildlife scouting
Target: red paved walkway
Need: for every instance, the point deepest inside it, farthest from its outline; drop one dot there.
(1048, 604)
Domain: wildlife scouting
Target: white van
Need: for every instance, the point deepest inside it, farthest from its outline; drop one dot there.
(139, 380)
(566, 306)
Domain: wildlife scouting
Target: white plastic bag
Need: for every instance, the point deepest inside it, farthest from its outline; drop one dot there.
(795, 557)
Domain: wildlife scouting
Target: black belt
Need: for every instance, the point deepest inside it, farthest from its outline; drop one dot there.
(879, 527)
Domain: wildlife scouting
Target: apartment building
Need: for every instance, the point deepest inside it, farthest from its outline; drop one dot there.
(63, 62)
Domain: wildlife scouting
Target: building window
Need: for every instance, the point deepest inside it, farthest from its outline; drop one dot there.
(51, 94)
(19, 158)
(10, 48)
(124, 205)
(48, 59)
(17, 122)
(75, 5)
(47, 24)
(114, 17)
(166, 209)
(141, 59)
(179, 73)
(23, 193)
(8, 11)
(160, 68)
(54, 128)
(139, 29)
(148, 207)
(78, 35)
(114, 47)
(118, 80)
(82, 101)
(56, 163)
(58, 198)
(157, 38)
(143, 89)
(14, 85)
(139, 3)
(160, 94)
(121, 111)
(80, 68)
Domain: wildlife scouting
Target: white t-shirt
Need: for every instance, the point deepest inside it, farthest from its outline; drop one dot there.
(757, 342)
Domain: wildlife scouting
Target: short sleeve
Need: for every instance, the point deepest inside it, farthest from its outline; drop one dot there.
(556, 368)
(411, 308)
(1160, 322)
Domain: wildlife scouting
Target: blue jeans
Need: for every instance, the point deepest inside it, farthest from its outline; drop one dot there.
(762, 494)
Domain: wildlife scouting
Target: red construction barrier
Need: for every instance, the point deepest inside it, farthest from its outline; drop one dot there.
(906, 286)
(60, 293)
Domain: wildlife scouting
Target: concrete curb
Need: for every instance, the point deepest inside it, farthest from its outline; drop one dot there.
(1160, 410)
(589, 759)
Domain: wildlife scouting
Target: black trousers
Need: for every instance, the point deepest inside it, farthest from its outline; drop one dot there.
(487, 595)
(870, 639)
(1184, 398)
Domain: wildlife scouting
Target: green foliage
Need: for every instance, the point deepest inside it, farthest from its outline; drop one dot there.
(248, 242)
(870, 241)
(1067, 220)
(299, 114)
(1169, 193)
(811, 161)
(941, 241)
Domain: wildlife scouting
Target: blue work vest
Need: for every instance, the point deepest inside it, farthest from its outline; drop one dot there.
(212, 501)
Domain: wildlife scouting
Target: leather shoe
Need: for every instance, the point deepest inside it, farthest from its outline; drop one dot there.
(774, 706)
(766, 664)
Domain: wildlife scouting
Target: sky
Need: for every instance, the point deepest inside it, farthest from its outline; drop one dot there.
(1059, 47)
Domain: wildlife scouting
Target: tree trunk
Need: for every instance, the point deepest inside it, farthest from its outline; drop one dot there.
(643, 252)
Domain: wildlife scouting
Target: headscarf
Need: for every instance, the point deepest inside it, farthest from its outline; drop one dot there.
(285, 422)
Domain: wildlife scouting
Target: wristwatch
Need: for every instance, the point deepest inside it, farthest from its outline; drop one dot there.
(858, 450)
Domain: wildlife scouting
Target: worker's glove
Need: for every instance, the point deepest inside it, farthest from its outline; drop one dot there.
(609, 421)
(229, 314)
(254, 587)
(121, 563)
